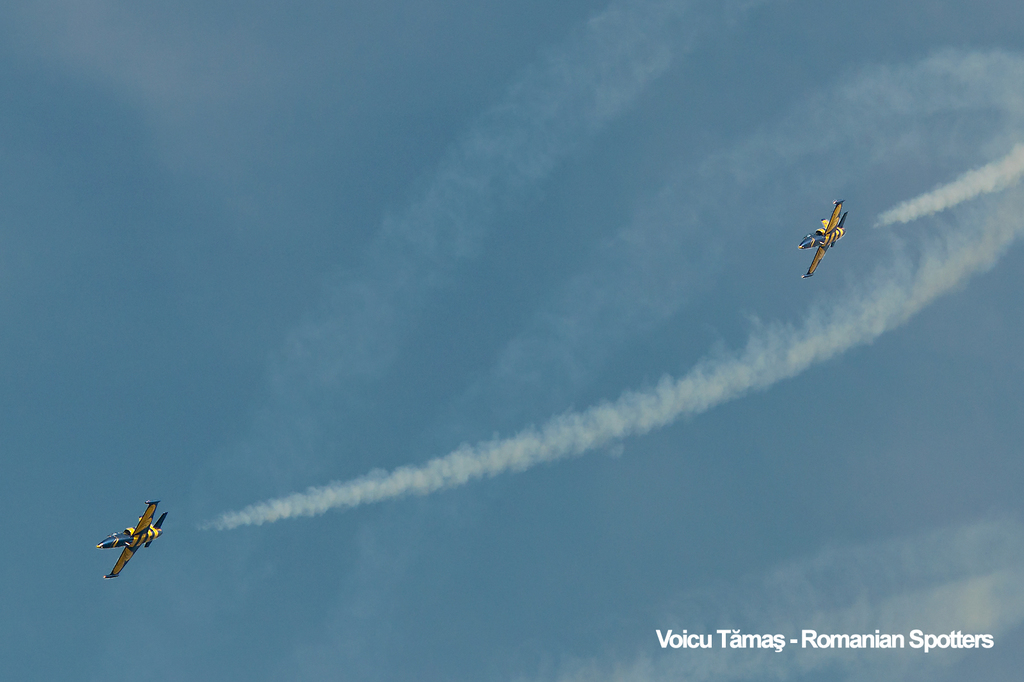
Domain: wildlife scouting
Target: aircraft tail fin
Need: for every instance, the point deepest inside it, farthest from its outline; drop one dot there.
(157, 526)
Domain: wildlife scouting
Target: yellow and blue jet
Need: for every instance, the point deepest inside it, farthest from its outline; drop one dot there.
(829, 233)
(144, 532)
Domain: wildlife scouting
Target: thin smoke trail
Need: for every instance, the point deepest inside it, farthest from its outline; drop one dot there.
(992, 177)
(778, 352)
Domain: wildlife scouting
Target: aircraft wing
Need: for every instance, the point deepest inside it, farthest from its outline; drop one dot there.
(834, 219)
(817, 259)
(841, 221)
(146, 518)
(125, 557)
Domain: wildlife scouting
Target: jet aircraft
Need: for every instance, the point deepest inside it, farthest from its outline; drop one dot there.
(828, 234)
(144, 532)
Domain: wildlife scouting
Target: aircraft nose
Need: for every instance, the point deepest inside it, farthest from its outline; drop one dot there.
(808, 242)
(108, 543)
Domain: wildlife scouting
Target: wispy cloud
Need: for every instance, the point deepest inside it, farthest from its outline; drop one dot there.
(772, 354)
(557, 104)
(991, 177)
(968, 578)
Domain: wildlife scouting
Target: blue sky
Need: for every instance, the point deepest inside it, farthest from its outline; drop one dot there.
(514, 289)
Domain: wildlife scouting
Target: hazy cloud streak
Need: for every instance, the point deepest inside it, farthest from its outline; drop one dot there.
(557, 104)
(968, 578)
(773, 353)
(992, 177)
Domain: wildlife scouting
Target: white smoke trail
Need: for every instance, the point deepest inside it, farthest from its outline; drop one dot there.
(775, 353)
(992, 177)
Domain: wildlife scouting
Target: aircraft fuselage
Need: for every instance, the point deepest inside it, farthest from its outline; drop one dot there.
(819, 238)
(128, 538)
